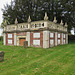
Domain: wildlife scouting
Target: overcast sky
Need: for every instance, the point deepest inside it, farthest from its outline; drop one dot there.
(2, 3)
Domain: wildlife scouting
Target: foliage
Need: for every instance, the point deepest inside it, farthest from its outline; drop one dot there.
(21, 9)
(58, 60)
(1, 38)
(71, 38)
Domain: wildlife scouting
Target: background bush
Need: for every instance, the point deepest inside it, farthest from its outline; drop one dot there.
(71, 38)
(1, 38)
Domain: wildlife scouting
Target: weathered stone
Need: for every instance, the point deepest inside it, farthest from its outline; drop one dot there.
(1, 56)
(61, 22)
(5, 24)
(25, 32)
(29, 19)
(45, 17)
(16, 22)
(46, 39)
(66, 25)
(55, 21)
(25, 44)
(28, 38)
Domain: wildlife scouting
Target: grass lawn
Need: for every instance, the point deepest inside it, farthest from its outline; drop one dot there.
(58, 60)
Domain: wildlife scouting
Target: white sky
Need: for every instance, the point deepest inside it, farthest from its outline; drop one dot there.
(2, 3)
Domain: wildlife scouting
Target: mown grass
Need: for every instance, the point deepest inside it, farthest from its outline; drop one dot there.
(58, 60)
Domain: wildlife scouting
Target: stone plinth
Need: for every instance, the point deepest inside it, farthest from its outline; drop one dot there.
(25, 44)
(1, 56)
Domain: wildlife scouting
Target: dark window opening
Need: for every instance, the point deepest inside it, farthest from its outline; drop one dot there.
(43, 24)
(35, 25)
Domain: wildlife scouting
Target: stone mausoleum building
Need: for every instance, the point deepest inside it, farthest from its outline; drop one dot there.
(43, 34)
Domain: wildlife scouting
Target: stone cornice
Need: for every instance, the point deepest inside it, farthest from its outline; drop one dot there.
(36, 29)
(35, 25)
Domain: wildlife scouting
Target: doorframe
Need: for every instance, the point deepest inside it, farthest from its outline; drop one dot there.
(18, 37)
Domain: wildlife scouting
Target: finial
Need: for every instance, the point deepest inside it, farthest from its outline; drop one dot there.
(16, 22)
(66, 25)
(45, 17)
(61, 22)
(5, 23)
(55, 21)
(29, 19)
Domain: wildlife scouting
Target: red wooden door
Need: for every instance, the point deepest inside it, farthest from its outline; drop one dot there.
(21, 40)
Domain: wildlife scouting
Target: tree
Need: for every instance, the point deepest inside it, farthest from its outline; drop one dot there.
(21, 9)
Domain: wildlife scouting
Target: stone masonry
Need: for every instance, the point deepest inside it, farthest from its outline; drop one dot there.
(43, 34)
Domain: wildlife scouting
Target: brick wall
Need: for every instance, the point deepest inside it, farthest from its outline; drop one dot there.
(9, 39)
(40, 38)
(32, 38)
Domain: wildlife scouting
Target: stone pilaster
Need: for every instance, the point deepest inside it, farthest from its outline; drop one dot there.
(66, 38)
(4, 39)
(56, 39)
(15, 39)
(28, 38)
(62, 39)
(45, 39)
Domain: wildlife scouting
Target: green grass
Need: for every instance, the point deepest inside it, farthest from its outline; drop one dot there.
(58, 60)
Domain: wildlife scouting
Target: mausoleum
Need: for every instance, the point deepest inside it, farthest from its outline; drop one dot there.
(43, 34)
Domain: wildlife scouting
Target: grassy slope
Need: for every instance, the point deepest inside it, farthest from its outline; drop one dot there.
(59, 60)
